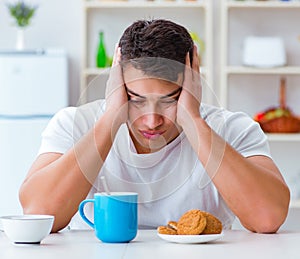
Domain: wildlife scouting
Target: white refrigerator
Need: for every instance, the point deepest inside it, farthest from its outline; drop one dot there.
(33, 87)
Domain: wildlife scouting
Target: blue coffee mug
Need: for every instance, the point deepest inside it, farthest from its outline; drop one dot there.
(115, 216)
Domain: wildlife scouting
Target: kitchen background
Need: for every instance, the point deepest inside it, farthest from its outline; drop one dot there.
(73, 26)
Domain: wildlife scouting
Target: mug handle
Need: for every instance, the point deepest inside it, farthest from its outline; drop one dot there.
(81, 212)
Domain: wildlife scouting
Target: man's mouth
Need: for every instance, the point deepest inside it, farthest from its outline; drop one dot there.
(151, 134)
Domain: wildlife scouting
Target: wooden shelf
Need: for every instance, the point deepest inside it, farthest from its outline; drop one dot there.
(286, 70)
(261, 4)
(93, 71)
(284, 137)
(96, 71)
(149, 4)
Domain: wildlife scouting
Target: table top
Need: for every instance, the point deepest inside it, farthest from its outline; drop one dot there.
(147, 244)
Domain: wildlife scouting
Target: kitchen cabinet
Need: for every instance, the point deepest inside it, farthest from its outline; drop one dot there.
(251, 89)
(112, 17)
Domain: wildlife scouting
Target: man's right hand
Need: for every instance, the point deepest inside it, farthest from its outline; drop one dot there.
(115, 95)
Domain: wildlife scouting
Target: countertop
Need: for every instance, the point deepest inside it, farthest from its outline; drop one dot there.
(83, 244)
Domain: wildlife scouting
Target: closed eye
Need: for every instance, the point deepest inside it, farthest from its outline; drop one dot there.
(137, 102)
(169, 101)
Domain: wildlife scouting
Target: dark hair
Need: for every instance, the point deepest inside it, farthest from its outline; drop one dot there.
(157, 47)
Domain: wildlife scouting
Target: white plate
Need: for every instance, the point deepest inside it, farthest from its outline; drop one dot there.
(190, 239)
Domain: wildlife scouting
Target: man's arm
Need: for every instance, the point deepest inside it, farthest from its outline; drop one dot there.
(57, 183)
(253, 187)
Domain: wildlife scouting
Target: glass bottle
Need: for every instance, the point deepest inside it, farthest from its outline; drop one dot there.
(101, 59)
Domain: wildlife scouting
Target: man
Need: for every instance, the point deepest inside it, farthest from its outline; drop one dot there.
(152, 135)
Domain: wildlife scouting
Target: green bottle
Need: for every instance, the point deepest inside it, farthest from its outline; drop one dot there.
(101, 60)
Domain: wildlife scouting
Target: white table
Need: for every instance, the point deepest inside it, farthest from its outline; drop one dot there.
(83, 244)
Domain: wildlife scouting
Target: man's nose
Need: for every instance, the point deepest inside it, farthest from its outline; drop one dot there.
(152, 118)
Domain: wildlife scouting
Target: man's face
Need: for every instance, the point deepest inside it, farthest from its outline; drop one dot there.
(152, 108)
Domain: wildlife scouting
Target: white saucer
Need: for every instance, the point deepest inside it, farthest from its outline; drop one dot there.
(190, 239)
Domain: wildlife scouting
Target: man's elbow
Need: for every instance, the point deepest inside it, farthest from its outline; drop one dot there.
(269, 220)
(270, 225)
(36, 206)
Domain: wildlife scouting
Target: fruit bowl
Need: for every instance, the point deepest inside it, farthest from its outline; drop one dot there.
(281, 125)
(279, 119)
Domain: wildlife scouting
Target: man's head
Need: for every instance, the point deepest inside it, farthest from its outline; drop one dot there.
(153, 58)
(158, 48)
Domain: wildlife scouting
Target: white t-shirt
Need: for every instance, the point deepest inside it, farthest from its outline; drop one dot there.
(169, 182)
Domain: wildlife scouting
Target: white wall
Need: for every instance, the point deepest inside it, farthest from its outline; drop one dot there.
(57, 24)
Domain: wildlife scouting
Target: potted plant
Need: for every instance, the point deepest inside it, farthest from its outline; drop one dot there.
(22, 13)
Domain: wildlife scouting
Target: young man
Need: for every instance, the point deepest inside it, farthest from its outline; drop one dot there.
(152, 135)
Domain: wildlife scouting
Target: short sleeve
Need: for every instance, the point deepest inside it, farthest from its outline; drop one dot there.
(245, 135)
(58, 136)
(238, 130)
(69, 125)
